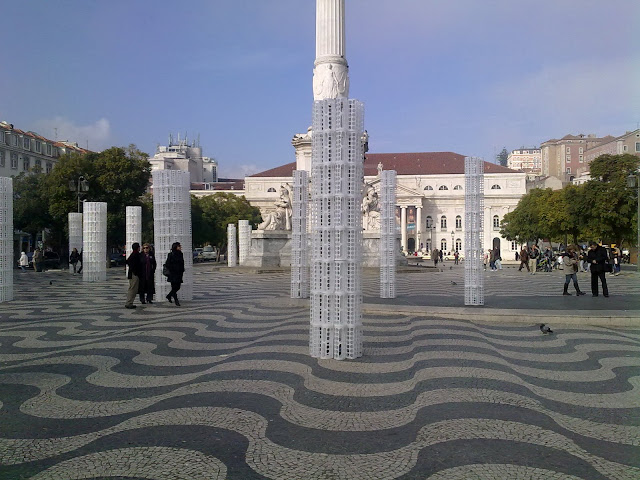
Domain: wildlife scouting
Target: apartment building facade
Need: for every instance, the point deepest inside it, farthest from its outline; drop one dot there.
(528, 160)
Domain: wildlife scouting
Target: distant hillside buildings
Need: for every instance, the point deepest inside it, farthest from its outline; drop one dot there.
(180, 155)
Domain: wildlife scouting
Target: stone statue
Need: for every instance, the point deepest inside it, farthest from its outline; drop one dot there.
(280, 219)
(330, 81)
(370, 209)
(380, 169)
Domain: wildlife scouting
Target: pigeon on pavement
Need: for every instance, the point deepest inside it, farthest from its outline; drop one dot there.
(545, 329)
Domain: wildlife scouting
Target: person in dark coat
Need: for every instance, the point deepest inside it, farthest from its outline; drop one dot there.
(134, 264)
(175, 264)
(74, 258)
(148, 264)
(597, 258)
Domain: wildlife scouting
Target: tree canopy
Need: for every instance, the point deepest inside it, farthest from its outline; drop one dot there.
(603, 208)
(502, 157)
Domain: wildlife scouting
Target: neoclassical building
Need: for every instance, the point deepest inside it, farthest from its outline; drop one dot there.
(430, 197)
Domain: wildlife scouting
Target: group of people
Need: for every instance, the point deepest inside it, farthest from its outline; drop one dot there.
(142, 266)
(37, 259)
(494, 258)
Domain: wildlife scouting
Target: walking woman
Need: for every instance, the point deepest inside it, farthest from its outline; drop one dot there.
(570, 260)
(74, 258)
(175, 265)
(24, 261)
(147, 287)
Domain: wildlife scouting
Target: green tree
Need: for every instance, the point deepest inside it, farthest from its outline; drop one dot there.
(611, 207)
(502, 157)
(31, 206)
(525, 223)
(117, 176)
(211, 215)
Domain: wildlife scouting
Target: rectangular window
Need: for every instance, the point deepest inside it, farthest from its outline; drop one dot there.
(6, 137)
(38, 146)
(568, 150)
(514, 246)
(1, 158)
(581, 158)
(26, 143)
(637, 146)
(14, 140)
(581, 150)
(49, 167)
(568, 169)
(14, 160)
(625, 148)
(39, 164)
(25, 163)
(49, 149)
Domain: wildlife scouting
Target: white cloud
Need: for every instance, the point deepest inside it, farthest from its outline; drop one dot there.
(95, 135)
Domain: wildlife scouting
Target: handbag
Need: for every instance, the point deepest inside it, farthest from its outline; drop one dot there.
(608, 267)
(165, 270)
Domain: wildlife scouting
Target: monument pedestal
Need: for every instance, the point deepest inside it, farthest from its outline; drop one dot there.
(371, 250)
(269, 248)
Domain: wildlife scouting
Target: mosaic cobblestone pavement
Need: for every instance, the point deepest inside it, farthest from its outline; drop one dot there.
(223, 387)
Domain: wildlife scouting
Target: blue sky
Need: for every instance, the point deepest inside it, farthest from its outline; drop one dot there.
(467, 76)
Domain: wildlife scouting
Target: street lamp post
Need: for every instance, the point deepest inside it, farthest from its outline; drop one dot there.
(452, 249)
(632, 181)
(81, 188)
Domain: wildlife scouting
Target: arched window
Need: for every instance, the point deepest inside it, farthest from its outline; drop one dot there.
(458, 187)
(271, 189)
(496, 222)
(443, 187)
(429, 221)
(428, 187)
(458, 245)
(495, 187)
(443, 222)
(458, 222)
(443, 245)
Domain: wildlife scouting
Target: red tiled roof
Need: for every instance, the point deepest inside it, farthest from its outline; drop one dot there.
(425, 163)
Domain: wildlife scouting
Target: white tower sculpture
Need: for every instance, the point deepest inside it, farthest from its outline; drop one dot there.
(75, 234)
(299, 236)
(388, 234)
(133, 228)
(244, 240)
(474, 228)
(6, 239)
(232, 256)
(94, 242)
(172, 223)
(336, 196)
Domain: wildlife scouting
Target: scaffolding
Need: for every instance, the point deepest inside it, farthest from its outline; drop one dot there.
(6, 239)
(94, 242)
(388, 232)
(474, 228)
(299, 236)
(75, 234)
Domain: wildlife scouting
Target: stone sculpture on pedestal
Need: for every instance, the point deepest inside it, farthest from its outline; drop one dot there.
(280, 219)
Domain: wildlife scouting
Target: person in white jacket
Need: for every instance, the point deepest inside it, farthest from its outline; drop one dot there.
(24, 261)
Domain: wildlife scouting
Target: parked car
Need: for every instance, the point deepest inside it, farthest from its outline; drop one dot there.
(51, 260)
(209, 253)
(117, 259)
(196, 255)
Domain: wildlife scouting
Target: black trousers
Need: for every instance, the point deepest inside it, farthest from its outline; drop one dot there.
(174, 289)
(594, 283)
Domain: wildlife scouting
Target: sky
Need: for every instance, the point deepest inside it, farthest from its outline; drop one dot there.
(467, 76)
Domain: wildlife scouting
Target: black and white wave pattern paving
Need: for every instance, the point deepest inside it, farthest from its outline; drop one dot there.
(223, 387)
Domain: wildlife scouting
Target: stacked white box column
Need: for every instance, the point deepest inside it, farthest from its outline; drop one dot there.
(75, 234)
(94, 242)
(336, 229)
(388, 232)
(244, 240)
(133, 228)
(172, 223)
(6, 239)
(232, 255)
(473, 233)
(299, 236)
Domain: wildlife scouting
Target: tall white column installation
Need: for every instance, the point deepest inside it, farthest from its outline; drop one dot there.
(299, 236)
(94, 242)
(133, 229)
(473, 231)
(75, 234)
(336, 229)
(6, 239)
(172, 223)
(244, 240)
(232, 255)
(388, 232)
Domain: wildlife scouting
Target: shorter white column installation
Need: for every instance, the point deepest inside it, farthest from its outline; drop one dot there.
(388, 234)
(94, 242)
(133, 229)
(244, 240)
(6, 239)
(473, 233)
(232, 255)
(299, 236)
(75, 234)
(172, 223)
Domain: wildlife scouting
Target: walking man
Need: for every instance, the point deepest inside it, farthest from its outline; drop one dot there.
(524, 259)
(533, 258)
(135, 266)
(597, 258)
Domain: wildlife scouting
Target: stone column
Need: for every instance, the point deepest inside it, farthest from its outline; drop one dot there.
(418, 226)
(403, 228)
(331, 72)
(6, 239)
(75, 235)
(94, 242)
